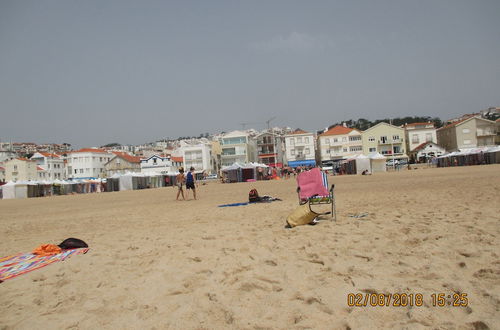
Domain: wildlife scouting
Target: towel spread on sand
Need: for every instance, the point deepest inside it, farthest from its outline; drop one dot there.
(263, 199)
(19, 264)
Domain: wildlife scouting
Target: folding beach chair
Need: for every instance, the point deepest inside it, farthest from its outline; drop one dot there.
(313, 190)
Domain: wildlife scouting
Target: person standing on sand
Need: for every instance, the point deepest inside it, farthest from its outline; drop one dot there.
(190, 182)
(179, 182)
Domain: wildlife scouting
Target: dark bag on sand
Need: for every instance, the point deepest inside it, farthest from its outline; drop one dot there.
(72, 243)
(253, 196)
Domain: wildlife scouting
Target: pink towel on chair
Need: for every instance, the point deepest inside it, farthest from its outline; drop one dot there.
(311, 184)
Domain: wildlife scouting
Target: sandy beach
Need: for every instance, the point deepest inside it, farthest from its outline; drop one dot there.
(155, 263)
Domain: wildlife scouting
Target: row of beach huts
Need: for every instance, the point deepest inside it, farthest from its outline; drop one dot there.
(235, 173)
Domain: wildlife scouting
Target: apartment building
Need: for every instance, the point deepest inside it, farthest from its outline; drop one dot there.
(386, 139)
(269, 149)
(87, 163)
(52, 166)
(300, 148)
(156, 164)
(339, 143)
(20, 169)
(237, 147)
(471, 132)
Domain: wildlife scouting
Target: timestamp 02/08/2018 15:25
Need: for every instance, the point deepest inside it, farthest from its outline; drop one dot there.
(406, 299)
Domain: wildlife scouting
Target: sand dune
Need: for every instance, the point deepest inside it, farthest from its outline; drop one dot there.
(158, 263)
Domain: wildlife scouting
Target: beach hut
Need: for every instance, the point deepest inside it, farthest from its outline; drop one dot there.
(21, 189)
(125, 182)
(362, 164)
(9, 190)
(232, 173)
(377, 162)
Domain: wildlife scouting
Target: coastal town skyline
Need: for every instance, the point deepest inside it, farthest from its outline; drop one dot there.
(94, 73)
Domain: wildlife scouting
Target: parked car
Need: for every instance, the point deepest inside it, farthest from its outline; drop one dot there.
(392, 162)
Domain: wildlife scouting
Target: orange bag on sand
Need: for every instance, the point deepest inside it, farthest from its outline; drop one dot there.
(47, 250)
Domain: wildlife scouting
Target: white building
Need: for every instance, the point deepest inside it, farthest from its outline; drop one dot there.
(418, 133)
(87, 163)
(237, 147)
(300, 148)
(156, 165)
(198, 156)
(338, 143)
(52, 165)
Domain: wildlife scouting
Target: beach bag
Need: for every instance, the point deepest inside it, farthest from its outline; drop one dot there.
(253, 196)
(302, 215)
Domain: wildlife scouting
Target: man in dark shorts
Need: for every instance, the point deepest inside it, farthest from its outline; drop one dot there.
(190, 182)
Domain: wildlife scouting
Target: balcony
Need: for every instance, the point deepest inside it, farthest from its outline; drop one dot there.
(300, 157)
(481, 133)
(389, 141)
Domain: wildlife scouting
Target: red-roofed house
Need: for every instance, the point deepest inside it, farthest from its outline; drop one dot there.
(52, 164)
(338, 143)
(426, 151)
(300, 148)
(121, 163)
(20, 169)
(87, 163)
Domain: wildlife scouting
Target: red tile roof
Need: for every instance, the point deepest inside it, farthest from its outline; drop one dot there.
(457, 122)
(25, 159)
(48, 154)
(2, 168)
(89, 150)
(127, 157)
(337, 130)
(38, 168)
(178, 159)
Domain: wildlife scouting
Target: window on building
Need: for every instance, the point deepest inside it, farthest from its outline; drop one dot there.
(327, 151)
(327, 141)
(428, 137)
(383, 139)
(299, 140)
(292, 141)
(306, 139)
(154, 161)
(344, 139)
(292, 152)
(467, 142)
(15, 167)
(465, 130)
(345, 149)
(81, 171)
(414, 138)
(372, 150)
(371, 139)
(395, 137)
(307, 151)
(335, 140)
(356, 148)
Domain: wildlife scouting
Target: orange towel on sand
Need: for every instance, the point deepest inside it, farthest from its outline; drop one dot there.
(47, 250)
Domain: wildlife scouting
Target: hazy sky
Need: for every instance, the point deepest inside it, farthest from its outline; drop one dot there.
(94, 72)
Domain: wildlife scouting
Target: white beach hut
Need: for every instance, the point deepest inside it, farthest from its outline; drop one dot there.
(9, 190)
(362, 164)
(377, 162)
